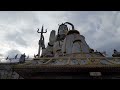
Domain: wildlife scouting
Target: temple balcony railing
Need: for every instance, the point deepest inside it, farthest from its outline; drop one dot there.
(89, 60)
(67, 61)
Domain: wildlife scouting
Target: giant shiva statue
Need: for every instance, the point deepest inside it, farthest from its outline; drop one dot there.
(66, 42)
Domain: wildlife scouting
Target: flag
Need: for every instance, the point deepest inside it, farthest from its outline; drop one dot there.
(16, 56)
(7, 58)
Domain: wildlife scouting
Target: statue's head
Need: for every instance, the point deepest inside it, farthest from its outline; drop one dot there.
(63, 29)
(62, 32)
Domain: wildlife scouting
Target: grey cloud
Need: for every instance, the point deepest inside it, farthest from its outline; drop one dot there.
(13, 17)
(17, 38)
(25, 23)
(1, 54)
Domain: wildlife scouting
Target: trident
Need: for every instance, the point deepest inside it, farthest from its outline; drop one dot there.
(41, 41)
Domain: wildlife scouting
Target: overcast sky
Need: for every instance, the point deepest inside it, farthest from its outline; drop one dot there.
(18, 29)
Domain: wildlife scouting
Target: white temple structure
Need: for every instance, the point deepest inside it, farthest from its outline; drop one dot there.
(67, 42)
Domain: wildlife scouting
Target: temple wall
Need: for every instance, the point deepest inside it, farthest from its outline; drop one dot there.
(7, 73)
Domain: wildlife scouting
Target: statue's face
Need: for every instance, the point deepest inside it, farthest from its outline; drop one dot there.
(63, 29)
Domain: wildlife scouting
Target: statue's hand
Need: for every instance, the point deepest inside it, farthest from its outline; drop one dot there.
(52, 37)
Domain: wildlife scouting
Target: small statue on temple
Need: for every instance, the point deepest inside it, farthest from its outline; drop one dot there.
(116, 53)
(91, 50)
(22, 58)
